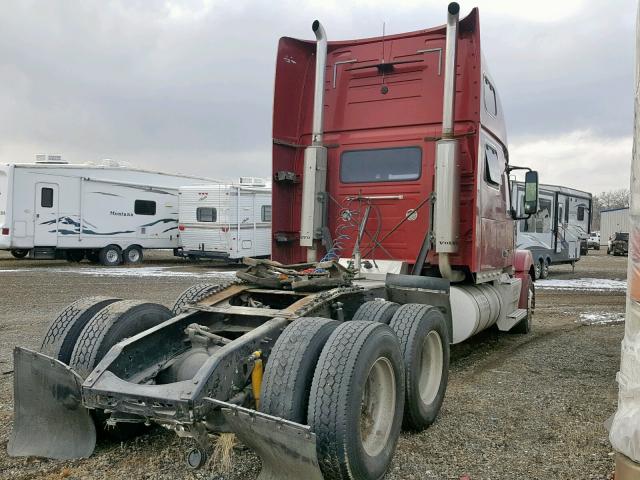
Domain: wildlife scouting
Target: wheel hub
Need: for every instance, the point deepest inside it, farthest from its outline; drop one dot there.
(377, 407)
(431, 361)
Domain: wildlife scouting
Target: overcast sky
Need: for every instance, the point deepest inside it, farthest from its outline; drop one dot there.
(186, 86)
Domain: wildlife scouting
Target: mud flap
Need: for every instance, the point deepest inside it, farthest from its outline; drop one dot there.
(287, 449)
(49, 419)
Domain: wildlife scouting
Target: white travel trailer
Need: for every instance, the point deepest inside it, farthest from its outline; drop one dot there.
(558, 233)
(226, 222)
(104, 213)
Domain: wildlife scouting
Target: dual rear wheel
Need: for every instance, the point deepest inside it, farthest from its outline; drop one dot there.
(84, 332)
(358, 383)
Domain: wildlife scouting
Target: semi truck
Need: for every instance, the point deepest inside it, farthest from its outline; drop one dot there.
(393, 238)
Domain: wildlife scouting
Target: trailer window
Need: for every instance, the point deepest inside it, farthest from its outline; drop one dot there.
(490, 101)
(46, 197)
(493, 170)
(144, 207)
(206, 214)
(381, 165)
(266, 213)
(580, 213)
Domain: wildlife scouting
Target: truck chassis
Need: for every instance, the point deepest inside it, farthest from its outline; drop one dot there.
(200, 372)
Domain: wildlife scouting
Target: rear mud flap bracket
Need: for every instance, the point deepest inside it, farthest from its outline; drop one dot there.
(287, 449)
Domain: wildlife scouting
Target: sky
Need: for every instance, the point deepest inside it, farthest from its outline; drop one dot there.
(186, 86)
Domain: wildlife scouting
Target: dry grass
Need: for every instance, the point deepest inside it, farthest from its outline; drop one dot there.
(222, 458)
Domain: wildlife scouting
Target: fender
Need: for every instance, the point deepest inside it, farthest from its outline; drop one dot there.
(523, 266)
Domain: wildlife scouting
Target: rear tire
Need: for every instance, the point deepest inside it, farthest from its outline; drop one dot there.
(109, 326)
(63, 331)
(376, 311)
(290, 367)
(110, 256)
(19, 253)
(194, 294)
(132, 255)
(356, 401)
(424, 339)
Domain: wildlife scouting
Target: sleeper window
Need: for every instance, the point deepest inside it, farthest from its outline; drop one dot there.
(381, 165)
(46, 197)
(266, 213)
(490, 101)
(207, 214)
(493, 169)
(144, 207)
(580, 213)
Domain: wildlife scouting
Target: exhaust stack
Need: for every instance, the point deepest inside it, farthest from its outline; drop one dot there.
(446, 222)
(315, 158)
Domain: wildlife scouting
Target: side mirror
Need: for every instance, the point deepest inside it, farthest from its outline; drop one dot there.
(531, 193)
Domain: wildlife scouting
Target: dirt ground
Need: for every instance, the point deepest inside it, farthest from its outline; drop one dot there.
(517, 406)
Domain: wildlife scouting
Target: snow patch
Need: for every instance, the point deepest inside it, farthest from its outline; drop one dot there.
(583, 284)
(601, 318)
(140, 272)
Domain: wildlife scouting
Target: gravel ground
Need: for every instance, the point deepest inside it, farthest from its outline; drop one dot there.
(517, 406)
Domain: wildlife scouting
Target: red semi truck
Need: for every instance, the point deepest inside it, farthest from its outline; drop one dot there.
(393, 237)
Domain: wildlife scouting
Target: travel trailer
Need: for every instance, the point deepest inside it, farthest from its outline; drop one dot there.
(107, 214)
(559, 232)
(226, 222)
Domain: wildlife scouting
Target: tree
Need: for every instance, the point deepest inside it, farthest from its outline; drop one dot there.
(606, 200)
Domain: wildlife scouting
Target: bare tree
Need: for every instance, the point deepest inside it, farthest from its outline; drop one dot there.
(606, 200)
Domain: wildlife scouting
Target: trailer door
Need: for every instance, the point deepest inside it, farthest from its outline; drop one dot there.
(46, 215)
(560, 229)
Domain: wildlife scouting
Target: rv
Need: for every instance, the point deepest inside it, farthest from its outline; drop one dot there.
(558, 233)
(107, 214)
(225, 222)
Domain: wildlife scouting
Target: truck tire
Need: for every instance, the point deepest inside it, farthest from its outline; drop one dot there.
(109, 326)
(63, 331)
(526, 325)
(195, 293)
(290, 367)
(110, 256)
(132, 255)
(19, 253)
(424, 339)
(356, 401)
(115, 322)
(376, 311)
(545, 269)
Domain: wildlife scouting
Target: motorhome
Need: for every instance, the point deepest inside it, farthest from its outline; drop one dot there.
(559, 232)
(107, 214)
(225, 222)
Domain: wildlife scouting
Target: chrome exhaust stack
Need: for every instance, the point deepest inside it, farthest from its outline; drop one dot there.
(447, 194)
(314, 179)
